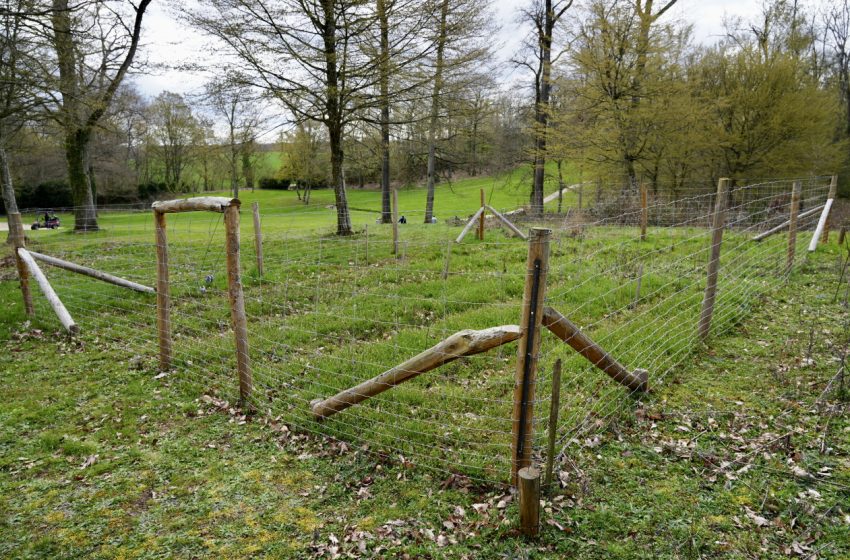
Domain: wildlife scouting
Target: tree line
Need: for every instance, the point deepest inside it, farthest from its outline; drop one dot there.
(410, 91)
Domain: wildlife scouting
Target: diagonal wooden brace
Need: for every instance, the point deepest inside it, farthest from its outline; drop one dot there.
(564, 329)
(458, 345)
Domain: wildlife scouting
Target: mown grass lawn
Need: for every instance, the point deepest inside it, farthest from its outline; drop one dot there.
(741, 451)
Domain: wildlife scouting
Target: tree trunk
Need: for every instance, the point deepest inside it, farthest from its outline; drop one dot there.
(8, 189)
(334, 121)
(541, 109)
(76, 155)
(435, 111)
(384, 69)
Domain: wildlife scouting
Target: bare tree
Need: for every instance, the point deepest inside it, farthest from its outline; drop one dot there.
(94, 45)
(310, 55)
(838, 37)
(238, 106)
(544, 16)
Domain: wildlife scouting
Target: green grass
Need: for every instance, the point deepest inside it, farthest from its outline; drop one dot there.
(103, 457)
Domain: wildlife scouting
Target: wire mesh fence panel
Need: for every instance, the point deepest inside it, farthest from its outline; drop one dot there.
(330, 313)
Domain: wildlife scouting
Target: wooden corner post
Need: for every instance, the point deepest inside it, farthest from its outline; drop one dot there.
(258, 237)
(792, 225)
(537, 266)
(717, 227)
(237, 302)
(163, 297)
(18, 239)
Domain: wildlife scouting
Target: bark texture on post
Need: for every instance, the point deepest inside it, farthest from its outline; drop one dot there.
(529, 501)
(792, 225)
(258, 237)
(18, 239)
(717, 227)
(525, 379)
(237, 303)
(463, 343)
(194, 204)
(163, 297)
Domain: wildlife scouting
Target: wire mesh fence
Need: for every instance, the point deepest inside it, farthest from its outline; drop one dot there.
(329, 312)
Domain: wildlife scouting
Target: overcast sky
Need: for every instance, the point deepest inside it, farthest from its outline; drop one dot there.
(168, 43)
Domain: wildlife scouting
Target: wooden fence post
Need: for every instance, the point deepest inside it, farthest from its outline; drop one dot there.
(792, 225)
(395, 222)
(163, 299)
(448, 258)
(529, 501)
(481, 219)
(366, 231)
(18, 238)
(237, 302)
(580, 193)
(537, 266)
(554, 409)
(718, 225)
(841, 233)
(258, 237)
(644, 212)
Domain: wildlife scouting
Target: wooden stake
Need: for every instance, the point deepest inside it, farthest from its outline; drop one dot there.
(258, 237)
(637, 287)
(481, 219)
(18, 239)
(792, 225)
(529, 501)
(841, 233)
(448, 257)
(718, 225)
(366, 231)
(237, 303)
(395, 222)
(564, 329)
(163, 298)
(554, 408)
(463, 343)
(644, 212)
(537, 267)
(54, 301)
(580, 192)
(92, 273)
